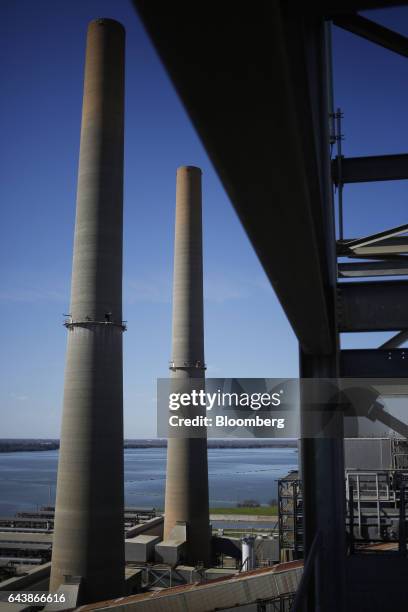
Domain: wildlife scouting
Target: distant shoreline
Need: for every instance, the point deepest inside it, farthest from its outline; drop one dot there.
(33, 445)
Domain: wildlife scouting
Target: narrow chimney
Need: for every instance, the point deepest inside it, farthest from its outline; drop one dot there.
(187, 468)
(89, 517)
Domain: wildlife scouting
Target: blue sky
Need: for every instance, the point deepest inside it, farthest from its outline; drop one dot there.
(42, 47)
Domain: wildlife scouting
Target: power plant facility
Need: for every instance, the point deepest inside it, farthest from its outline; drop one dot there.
(258, 86)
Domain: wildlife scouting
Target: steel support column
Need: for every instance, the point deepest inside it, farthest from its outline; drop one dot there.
(322, 452)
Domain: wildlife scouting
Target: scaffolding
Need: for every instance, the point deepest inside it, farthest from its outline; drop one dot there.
(290, 508)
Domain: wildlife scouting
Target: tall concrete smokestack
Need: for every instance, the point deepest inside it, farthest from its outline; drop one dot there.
(187, 470)
(89, 518)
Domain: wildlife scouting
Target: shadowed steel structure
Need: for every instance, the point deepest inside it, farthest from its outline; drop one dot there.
(256, 82)
(186, 498)
(89, 527)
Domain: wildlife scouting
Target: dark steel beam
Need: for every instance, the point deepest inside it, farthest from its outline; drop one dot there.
(374, 363)
(371, 168)
(373, 268)
(372, 306)
(374, 32)
(244, 78)
(374, 238)
(387, 247)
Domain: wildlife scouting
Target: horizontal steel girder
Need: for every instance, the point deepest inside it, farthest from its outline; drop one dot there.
(372, 306)
(371, 168)
(352, 245)
(373, 268)
(389, 246)
(374, 363)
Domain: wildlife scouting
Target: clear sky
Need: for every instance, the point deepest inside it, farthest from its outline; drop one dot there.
(42, 47)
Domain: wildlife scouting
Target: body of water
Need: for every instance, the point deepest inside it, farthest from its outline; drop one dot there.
(28, 479)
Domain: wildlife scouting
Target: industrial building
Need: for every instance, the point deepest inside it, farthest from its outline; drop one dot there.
(375, 468)
(154, 567)
(25, 552)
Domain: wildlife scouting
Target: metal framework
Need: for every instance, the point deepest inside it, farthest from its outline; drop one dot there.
(256, 83)
(290, 509)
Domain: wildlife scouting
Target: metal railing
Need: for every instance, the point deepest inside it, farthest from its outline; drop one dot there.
(374, 505)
